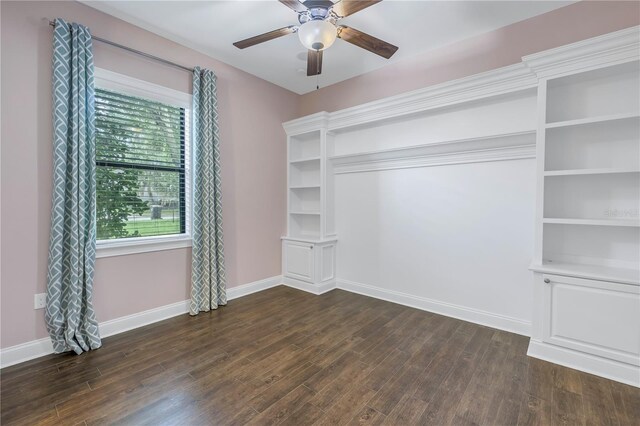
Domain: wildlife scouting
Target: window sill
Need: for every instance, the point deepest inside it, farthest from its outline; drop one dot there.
(127, 246)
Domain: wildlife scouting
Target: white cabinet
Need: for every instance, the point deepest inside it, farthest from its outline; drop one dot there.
(298, 260)
(308, 265)
(596, 317)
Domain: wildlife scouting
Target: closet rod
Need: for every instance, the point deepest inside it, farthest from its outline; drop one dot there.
(134, 51)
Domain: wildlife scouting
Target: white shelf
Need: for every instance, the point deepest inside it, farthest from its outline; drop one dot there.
(593, 222)
(312, 239)
(577, 172)
(303, 186)
(594, 272)
(304, 160)
(589, 120)
(305, 213)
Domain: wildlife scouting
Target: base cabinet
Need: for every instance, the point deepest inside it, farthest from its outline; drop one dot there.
(582, 322)
(309, 265)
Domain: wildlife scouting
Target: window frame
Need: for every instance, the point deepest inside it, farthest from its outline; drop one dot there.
(109, 80)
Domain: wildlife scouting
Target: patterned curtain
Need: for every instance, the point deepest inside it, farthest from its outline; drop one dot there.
(208, 282)
(69, 315)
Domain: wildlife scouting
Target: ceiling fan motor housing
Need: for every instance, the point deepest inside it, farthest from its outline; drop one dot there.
(317, 10)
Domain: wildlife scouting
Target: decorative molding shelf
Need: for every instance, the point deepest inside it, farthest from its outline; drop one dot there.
(487, 148)
(304, 160)
(512, 78)
(306, 124)
(608, 49)
(304, 186)
(617, 47)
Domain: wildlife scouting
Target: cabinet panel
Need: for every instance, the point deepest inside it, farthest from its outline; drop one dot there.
(298, 260)
(327, 254)
(596, 317)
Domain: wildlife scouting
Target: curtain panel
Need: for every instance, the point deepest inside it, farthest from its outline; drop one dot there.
(208, 281)
(69, 314)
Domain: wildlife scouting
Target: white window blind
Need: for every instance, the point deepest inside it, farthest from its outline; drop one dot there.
(141, 172)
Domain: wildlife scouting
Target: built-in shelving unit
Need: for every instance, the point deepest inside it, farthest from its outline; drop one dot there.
(308, 249)
(305, 190)
(587, 254)
(591, 169)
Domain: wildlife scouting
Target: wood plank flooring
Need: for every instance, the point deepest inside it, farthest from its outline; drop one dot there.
(286, 357)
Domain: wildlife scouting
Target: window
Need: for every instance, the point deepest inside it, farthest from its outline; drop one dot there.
(142, 164)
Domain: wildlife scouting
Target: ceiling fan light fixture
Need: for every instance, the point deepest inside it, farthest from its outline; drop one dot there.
(317, 34)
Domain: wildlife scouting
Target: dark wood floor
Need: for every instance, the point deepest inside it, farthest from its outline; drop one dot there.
(284, 356)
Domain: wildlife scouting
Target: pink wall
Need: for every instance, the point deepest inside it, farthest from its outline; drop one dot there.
(253, 157)
(495, 49)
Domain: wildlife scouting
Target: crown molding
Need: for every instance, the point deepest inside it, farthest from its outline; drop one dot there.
(309, 123)
(608, 49)
(491, 83)
(511, 146)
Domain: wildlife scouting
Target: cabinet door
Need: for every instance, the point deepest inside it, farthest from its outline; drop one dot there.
(298, 260)
(596, 317)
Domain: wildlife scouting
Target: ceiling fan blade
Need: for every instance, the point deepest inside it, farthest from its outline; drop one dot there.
(366, 41)
(294, 5)
(314, 62)
(242, 44)
(349, 7)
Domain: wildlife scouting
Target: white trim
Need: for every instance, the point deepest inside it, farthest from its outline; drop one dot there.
(501, 322)
(609, 49)
(308, 287)
(126, 246)
(140, 319)
(308, 123)
(253, 287)
(125, 84)
(610, 369)
(514, 146)
(605, 50)
(41, 347)
(512, 78)
(122, 83)
(25, 352)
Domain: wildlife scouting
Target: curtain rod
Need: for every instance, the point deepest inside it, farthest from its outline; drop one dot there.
(134, 51)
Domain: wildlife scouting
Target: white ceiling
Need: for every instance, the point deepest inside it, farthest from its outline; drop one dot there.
(415, 26)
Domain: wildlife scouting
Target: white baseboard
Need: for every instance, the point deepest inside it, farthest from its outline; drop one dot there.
(308, 287)
(140, 319)
(254, 287)
(489, 319)
(614, 370)
(25, 352)
(41, 347)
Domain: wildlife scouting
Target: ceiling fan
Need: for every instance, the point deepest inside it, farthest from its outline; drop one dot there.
(319, 28)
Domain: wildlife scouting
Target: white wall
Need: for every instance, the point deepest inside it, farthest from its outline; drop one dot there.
(456, 239)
